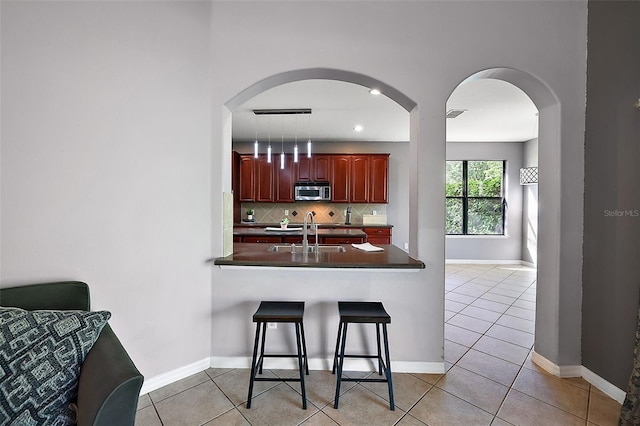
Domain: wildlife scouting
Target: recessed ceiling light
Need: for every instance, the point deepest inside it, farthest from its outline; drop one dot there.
(374, 92)
(357, 128)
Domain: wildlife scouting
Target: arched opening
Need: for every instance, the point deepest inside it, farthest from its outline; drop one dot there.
(557, 331)
(238, 105)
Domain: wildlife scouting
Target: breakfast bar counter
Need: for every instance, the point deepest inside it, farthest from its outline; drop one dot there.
(248, 254)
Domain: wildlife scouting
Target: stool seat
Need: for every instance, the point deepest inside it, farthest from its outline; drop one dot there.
(284, 312)
(279, 312)
(363, 313)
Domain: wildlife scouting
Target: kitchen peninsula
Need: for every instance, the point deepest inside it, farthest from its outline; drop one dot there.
(391, 257)
(253, 273)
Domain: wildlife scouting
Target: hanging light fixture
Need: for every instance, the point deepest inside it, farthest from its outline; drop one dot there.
(283, 112)
(295, 146)
(269, 147)
(255, 144)
(309, 140)
(282, 143)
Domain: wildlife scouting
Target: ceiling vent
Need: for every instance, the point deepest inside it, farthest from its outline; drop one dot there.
(453, 113)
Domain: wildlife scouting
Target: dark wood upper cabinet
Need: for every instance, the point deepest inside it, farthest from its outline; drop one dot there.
(321, 168)
(304, 169)
(379, 179)
(284, 179)
(264, 179)
(354, 178)
(340, 178)
(246, 178)
(359, 185)
(314, 169)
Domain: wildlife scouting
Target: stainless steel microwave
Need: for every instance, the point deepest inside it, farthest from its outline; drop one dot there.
(319, 191)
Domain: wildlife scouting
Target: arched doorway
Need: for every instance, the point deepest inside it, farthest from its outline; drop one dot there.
(557, 334)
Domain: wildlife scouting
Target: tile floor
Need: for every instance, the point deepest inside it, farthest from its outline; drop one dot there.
(490, 379)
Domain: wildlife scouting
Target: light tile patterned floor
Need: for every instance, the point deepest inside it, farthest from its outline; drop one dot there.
(490, 378)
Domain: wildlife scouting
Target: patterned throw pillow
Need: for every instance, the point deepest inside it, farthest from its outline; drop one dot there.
(41, 353)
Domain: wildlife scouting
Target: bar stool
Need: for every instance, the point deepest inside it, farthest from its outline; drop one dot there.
(367, 313)
(282, 312)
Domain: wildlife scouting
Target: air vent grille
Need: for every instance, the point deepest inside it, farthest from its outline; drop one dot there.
(453, 113)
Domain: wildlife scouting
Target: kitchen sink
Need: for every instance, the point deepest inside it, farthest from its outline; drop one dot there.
(291, 248)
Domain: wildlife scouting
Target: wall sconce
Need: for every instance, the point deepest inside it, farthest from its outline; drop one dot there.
(529, 176)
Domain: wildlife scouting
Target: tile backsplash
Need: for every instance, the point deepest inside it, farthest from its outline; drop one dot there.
(324, 212)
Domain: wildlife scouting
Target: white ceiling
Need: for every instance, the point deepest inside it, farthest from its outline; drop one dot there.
(496, 111)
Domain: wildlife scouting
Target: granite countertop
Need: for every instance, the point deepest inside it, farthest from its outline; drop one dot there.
(297, 230)
(250, 254)
(244, 224)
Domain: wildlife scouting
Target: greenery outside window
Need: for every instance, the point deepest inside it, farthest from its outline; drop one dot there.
(475, 197)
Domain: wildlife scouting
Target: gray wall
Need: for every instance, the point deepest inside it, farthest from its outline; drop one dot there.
(611, 277)
(509, 246)
(106, 164)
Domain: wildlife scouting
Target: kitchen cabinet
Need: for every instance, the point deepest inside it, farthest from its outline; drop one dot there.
(246, 178)
(340, 178)
(354, 178)
(261, 181)
(378, 235)
(284, 179)
(379, 179)
(264, 179)
(314, 169)
(359, 179)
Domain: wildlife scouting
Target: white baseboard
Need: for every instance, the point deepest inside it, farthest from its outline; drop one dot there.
(326, 364)
(580, 371)
(486, 262)
(563, 371)
(173, 376)
(606, 387)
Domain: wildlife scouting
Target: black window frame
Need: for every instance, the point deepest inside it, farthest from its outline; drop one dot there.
(465, 200)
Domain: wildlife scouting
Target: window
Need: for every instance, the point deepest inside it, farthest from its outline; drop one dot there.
(475, 197)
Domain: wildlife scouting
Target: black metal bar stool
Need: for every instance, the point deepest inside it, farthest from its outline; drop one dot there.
(368, 313)
(283, 312)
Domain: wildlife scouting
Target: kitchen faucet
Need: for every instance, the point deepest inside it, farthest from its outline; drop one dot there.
(305, 238)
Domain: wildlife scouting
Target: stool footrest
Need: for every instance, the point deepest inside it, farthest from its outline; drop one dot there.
(349, 379)
(272, 379)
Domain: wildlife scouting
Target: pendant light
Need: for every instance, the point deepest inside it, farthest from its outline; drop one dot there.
(255, 144)
(282, 143)
(269, 147)
(282, 113)
(295, 146)
(309, 140)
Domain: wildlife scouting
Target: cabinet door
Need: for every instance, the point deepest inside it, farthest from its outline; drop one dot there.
(304, 169)
(379, 179)
(340, 172)
(264, 179)
(284, 179)
(321, 168)
(378, 235)
(246, 176)
(359, 185)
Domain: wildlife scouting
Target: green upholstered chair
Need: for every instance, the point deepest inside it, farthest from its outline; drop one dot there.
(109, 384)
